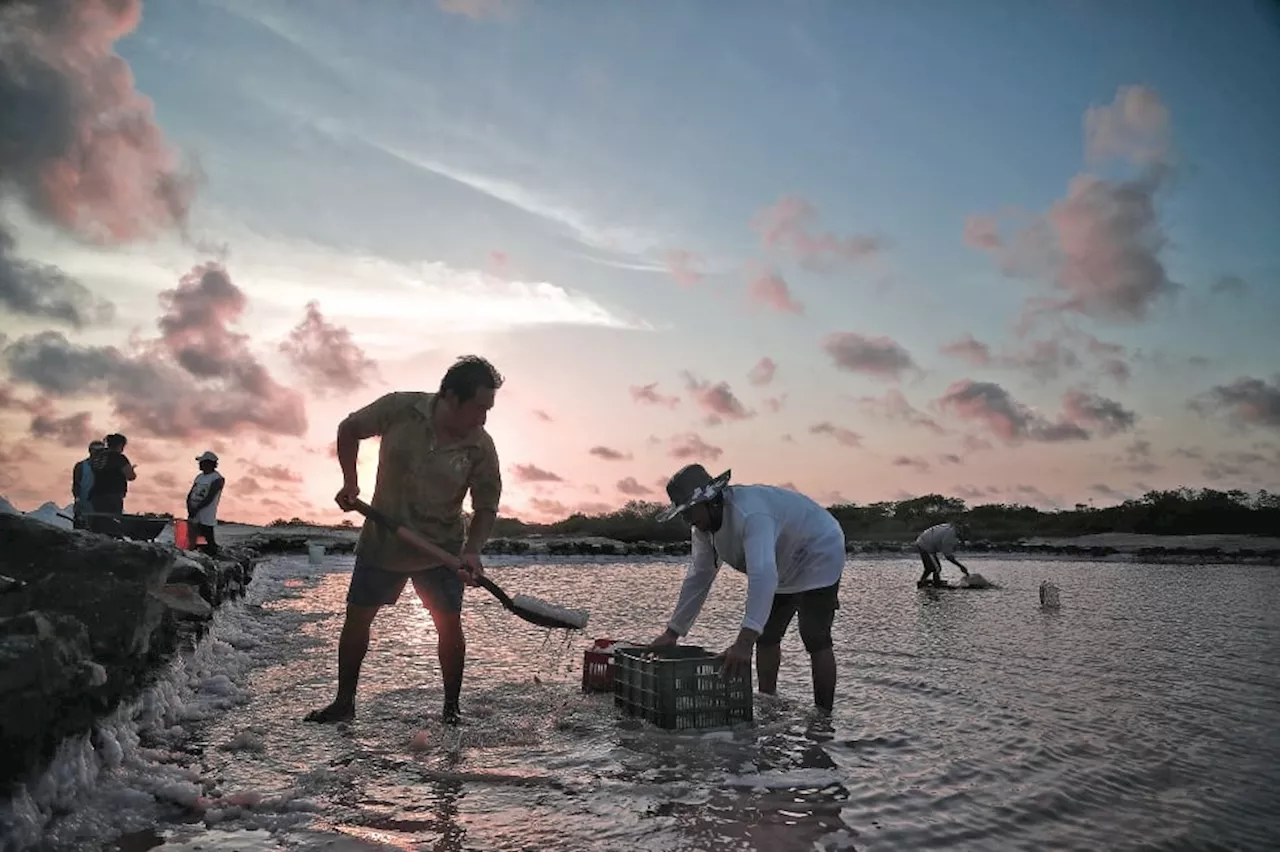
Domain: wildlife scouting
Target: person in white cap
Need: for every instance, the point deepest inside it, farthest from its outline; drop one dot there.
(203, 498)
(793, 553)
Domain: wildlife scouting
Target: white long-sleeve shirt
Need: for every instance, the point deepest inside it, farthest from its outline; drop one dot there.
(941, 538)
(783, 541)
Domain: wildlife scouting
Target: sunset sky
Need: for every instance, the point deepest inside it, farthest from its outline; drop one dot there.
(1008, 251)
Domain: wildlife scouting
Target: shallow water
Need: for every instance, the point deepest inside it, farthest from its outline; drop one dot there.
(1143, 714)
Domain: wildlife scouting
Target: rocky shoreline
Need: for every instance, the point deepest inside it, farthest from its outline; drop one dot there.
(88, 622)
(1209, 549)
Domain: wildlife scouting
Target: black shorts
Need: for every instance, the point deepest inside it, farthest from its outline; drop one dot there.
(817, 609)
(439, 588)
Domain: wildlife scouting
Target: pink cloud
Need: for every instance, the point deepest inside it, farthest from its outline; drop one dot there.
(649, 394)
(325, 354)
(199, 377)
(843, 436)
(542, 415)
(526, 473)
(894, 406)
(684, 267)
(609, 454)
(791, 226)
(631, 488)
(969, 350)
(876, 356)
(763, 372)
(718, 400)
(1099, 246)
(691, 447)
(911, 461)
(775, 403)
(770, 289)
(1135, 125)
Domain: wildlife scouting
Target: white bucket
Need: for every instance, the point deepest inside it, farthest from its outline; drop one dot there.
(315, 553)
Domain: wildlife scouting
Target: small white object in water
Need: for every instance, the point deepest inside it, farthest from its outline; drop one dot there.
(1048, 595)
(421, 740)
(576, 617)
(975, 581)
(315, 552)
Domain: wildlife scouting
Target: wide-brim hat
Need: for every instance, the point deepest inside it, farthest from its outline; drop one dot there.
(691, 485)
(208, 455)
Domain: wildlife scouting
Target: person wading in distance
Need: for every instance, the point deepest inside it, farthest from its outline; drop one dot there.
(434, 450)
(792, 551)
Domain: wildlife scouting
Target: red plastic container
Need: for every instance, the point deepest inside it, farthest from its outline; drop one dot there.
(597, 665)
(183, 537)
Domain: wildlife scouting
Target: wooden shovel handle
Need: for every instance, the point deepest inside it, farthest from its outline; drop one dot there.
(408, 536)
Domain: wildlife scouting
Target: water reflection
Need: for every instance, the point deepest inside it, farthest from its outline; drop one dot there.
(964, 719)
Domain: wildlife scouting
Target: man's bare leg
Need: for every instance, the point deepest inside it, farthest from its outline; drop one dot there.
(451, 648)
(768, 660)
(352, 646)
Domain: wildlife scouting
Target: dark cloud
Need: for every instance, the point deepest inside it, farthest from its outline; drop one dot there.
(876, 356)
(1247, 401)
(911, 461)
(199, 377)
(1092, 411)
(325, 355)
(45, 292)
(991, 405)
(80, 149)
(631, 488)
(532, 473)
(72, 430)
(1229, 285)
(609, 453)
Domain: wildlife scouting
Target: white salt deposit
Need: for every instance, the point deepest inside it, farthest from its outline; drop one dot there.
(107, 783)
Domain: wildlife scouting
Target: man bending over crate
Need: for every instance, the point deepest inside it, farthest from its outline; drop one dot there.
(792, 551)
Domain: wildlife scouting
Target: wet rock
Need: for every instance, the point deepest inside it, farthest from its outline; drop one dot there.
(86, 621)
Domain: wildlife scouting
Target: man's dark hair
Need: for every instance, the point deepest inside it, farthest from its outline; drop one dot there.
(467, 375)
(116, 441)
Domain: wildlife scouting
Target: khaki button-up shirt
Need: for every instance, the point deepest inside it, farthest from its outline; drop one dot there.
(422, 479)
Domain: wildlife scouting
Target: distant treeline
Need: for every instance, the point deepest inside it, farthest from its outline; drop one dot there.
(1184, 511)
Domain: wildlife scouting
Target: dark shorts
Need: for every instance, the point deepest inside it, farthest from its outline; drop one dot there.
(817, 609)
(439, 589)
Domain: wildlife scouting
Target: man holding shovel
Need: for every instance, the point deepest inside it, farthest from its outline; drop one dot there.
(434, 450)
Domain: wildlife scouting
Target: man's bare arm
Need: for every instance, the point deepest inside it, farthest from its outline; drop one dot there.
(479, 530)
(348, 452)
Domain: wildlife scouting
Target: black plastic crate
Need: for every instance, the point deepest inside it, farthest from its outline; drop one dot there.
(679, 687)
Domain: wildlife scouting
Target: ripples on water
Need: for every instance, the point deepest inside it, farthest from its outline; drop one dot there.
(1144, 714)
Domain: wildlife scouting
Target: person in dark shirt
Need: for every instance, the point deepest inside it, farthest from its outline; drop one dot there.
(112, 473)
